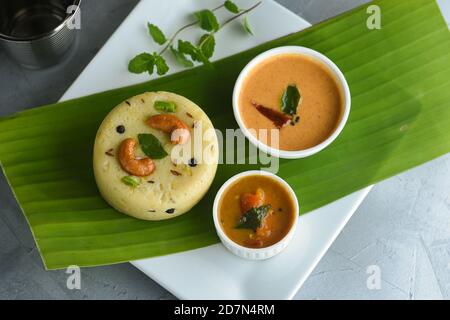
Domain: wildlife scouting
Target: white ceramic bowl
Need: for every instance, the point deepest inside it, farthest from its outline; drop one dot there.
(342, 82)
(252, 253)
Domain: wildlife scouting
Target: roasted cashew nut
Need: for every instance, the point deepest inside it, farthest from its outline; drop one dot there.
(136, 167)
(178, 130)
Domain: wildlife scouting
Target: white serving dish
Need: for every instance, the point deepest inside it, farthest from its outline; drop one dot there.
(342, 82)
(254, 253)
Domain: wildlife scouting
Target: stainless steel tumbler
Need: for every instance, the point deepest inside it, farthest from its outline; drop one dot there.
(38, 33)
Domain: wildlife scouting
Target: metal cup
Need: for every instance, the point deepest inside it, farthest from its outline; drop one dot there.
(38, 33)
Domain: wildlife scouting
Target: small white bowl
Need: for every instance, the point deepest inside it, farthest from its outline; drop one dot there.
(251, 253)
(342, 82)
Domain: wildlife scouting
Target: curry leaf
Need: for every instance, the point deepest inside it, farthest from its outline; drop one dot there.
(207, 20)
(231, 6)
(253, 218)
(290, 99)
(181, 58)
(156, 33)
(151, 146)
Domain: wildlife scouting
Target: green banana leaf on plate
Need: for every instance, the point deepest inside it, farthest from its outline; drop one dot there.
(399, 77)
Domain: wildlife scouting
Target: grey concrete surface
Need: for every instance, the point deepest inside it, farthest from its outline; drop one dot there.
(403, 226)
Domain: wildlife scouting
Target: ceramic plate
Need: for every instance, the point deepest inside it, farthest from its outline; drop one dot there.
(213, 272)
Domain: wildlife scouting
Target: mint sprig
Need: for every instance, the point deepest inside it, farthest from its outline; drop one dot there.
(187, 53)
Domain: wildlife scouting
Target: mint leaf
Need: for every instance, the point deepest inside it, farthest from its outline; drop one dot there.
(290, 99)
(231, 6)
(181, 58)
(131, 181)
(141, 63)
(203, 59)
(161, 65)
(165, 106)
(253, 218)
(151, 146)
(207, 20)
(156, 33)
(207, 44)
(195, 53)
(188, 48)
(247, 26)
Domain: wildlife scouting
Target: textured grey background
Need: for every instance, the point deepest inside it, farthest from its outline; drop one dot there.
(403, 226)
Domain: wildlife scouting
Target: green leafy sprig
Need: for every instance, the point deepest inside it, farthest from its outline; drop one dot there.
(186, 52)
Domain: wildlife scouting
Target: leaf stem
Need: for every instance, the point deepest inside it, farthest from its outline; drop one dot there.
(240, 14)
(172, 39)
(219, 7)
(176, 34)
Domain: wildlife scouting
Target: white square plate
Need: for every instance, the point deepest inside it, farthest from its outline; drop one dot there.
(213, 272)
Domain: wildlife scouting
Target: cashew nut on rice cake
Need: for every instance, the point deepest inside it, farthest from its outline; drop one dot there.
(155, 156)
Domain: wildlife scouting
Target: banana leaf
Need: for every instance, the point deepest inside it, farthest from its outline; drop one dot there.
(399, 76)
